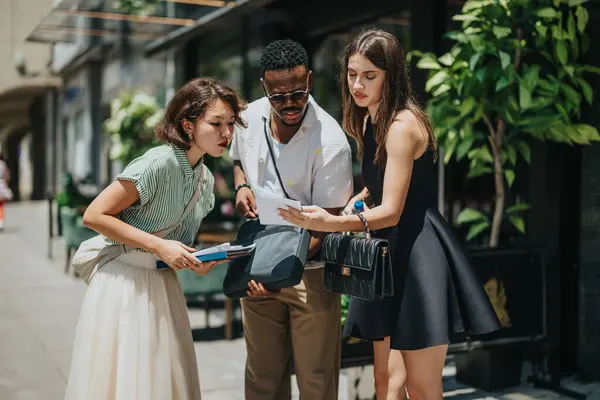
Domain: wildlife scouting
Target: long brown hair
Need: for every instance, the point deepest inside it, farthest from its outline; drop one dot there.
(191, 102)
(385, 52)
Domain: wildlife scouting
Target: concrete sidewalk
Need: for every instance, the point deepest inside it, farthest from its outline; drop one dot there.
(39, 308)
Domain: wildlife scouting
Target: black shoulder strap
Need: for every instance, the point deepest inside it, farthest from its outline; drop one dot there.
(273, 157)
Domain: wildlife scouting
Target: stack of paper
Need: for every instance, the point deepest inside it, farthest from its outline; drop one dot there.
(225, 251)
(268, 204)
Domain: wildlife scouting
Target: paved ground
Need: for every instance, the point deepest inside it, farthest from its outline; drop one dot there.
(39, 307)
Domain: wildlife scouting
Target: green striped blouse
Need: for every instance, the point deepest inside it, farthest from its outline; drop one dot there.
(165, 181)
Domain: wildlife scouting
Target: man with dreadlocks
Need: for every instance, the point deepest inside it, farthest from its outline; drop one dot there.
(313, 157)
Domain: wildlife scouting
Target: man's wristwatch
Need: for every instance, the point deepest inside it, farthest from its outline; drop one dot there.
(237, 189)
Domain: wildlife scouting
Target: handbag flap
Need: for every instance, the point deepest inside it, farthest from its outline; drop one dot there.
(352, 251)
(279, 256)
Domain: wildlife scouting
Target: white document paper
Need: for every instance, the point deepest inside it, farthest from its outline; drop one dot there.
(268, 204)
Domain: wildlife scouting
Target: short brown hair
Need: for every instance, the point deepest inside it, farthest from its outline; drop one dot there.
(190, 102)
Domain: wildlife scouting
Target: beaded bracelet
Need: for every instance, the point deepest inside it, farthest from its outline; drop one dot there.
(237, 189)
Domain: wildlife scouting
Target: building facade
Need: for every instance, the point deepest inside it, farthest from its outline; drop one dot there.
(24, 79)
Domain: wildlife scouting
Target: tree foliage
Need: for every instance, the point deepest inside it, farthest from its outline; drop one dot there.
(513, 74)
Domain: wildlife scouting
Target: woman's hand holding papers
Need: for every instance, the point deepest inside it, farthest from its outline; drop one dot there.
(313, 218)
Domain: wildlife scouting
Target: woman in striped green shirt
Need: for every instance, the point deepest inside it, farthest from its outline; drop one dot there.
(134, 338)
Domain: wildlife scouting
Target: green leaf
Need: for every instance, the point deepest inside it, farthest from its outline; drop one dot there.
(481, 73)
(524, 97)
(517, 208)
(428, 61)
(572, 95)
(587, 90)
(525, 151)
(470, 215)
(588, 132)
(464, 18)
(573, 3)
(504, 59)
(478, 171)
(583, 16)
(547, 86)
(537, 121)
(540, 103)
(517, 222)
(477, 229)
(557, 32)
(458, 36)
(477, 42)
(447, 59)
(450, 146)
(575, 135)
(531, 77)
(585, 43)
(467, 106)
(501, 32)
(437, 79)
(474, 60)
(476, 5)
(562, 52)
(574, 50)
(463, 148)
(501, 84)
(510, 176)
(542, 30)
(589, 68)
(547, 12)
(571, 30)
(512, 154)
(441, 90)
(481, 153)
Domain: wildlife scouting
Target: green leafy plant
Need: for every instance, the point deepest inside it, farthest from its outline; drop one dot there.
(512, 75)
(70, 196)
(131, 125)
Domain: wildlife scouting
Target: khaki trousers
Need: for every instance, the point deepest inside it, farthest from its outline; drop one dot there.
(303, 322)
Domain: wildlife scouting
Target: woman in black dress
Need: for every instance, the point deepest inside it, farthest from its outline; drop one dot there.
(436, 292)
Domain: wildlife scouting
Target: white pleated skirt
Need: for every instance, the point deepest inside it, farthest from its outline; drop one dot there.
(134, 340)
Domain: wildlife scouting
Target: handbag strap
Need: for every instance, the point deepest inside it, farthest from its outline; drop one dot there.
(188, 208)
(273, 158)
(365, 223)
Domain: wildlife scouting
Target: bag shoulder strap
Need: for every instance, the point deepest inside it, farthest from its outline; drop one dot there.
(188, 208)
(273, 158)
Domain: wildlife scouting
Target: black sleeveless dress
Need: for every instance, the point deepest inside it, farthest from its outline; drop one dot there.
(436, 293)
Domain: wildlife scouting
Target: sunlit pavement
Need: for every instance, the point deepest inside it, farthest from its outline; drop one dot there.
(39, 308)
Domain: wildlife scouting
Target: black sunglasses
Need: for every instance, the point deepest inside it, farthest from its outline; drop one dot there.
(296, 95)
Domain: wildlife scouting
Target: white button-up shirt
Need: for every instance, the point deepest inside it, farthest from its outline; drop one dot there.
(315, 165)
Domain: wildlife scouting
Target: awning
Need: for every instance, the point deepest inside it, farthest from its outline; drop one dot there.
(217, 17)
(69, 20)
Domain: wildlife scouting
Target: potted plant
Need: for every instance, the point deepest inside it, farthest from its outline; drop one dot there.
(512, 76)
(133, 116)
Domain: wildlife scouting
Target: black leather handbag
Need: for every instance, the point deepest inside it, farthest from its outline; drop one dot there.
(279, 256)
(359, 266)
